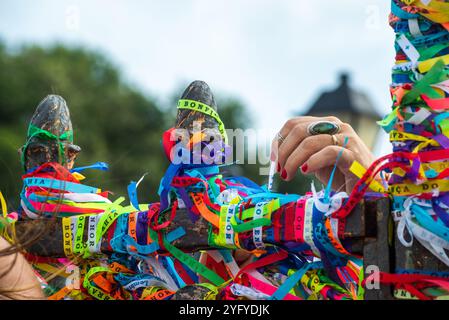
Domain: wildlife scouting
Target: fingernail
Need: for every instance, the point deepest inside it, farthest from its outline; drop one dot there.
(284, 174)
(304, 168)
(272, 156)
(279, 168)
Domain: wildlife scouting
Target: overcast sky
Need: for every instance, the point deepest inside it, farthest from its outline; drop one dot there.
(272, 54)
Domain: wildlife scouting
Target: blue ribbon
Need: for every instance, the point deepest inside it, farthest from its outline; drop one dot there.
(291, 281)
(58, 185)
(97, 166)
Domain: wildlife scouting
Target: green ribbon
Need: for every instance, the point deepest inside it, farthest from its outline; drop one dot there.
(194, 265)
(35, 132)
(247, 226)
(429, 53)
(389, 118)
(208, 110)
(435, 75)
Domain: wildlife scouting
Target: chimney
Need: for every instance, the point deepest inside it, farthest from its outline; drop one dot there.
(344, 79)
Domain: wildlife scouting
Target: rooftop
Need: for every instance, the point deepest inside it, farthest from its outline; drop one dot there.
(344, 99)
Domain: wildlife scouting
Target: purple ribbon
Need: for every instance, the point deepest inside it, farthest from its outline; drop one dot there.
(186, 199)
(142, 227)
(442, 140)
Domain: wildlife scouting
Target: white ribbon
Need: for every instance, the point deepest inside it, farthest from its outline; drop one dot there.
(429, 240)
(257, 232)
(250, 293)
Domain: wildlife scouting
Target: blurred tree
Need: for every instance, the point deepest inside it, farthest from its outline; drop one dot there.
(112, 121)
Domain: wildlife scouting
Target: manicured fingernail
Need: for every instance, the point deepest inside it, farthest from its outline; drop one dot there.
(284, 174)
(279, 168)
(304, 168)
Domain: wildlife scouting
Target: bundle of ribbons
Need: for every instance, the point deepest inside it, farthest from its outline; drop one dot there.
(292, 243)
(418, 127)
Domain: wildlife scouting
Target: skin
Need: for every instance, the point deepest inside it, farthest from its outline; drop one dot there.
(17, 279)
(317, 154)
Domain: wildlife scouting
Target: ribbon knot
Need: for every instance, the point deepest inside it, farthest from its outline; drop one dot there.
(35, 132)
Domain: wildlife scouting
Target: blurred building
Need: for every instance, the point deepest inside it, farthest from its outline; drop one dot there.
(351, 106)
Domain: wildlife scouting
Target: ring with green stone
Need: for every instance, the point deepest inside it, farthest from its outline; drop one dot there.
(323, 127)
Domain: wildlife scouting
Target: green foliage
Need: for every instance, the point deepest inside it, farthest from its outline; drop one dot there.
(113, 122)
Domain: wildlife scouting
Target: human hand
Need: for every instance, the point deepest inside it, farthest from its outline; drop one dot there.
(317, 154)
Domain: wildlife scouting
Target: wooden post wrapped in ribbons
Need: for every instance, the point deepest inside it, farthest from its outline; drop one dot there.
(418, 132)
